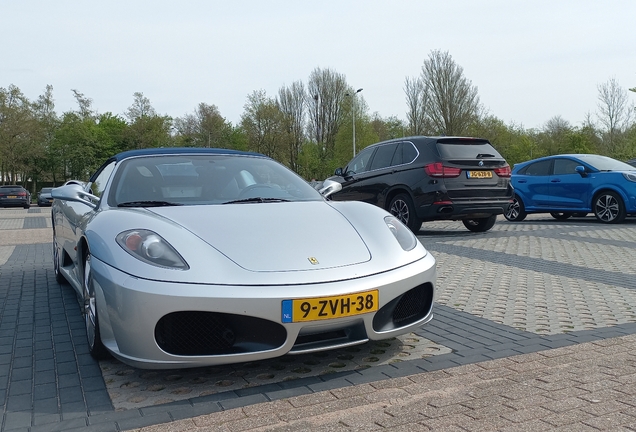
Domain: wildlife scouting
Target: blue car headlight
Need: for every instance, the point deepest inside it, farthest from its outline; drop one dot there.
(151, 248)
(631, 176)
(402, 234)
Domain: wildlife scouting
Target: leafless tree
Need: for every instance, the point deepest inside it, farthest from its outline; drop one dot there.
(416, 101)
(326, 92)
(291, 102)
(85, 105)
(614, 112)
(203, 128)
(451, 102)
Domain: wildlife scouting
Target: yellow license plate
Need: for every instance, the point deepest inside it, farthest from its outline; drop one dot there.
(479, 174)
(323, 308)
(12, 196)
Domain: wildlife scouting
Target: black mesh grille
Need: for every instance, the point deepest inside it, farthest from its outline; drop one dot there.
(194, 333)
(411, 305)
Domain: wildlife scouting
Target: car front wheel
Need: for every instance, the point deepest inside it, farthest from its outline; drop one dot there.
(516, 211)
(480, 224)
(609, 208)
(91, 319)
(59, 277)
(402, 208)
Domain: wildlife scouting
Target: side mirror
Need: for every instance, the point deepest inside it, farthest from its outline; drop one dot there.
(75, 192)
(330, 187)
(581, 170)
(338, 172)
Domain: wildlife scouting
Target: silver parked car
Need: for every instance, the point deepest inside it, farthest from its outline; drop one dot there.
(44, 197)
(194, 257)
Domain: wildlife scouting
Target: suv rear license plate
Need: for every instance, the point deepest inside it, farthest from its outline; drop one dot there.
(12, 196)
(323, 308)
(479, 174)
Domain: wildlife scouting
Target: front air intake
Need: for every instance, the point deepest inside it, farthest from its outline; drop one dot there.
(402, 311)
(199, 333)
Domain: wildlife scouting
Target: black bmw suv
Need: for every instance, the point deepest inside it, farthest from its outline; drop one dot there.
(420, 179)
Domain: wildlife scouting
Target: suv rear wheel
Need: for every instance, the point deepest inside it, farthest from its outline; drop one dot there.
(480, 224)
(402, 208)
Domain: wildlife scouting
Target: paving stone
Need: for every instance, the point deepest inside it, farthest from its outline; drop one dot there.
(534, 288)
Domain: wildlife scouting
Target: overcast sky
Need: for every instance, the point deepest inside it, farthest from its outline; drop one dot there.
(530, 60)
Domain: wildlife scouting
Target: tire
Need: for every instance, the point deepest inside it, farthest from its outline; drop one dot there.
(561, 216)
(91, 318)
(402, 207)
(59, 277)
(609, 208)
(481, 224)
(516, 211)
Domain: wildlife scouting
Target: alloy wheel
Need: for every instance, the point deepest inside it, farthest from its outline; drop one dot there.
(89, 304)
(400, 210)
(607, 208)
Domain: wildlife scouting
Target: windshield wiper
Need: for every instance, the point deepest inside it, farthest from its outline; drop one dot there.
(484, 155)
(148, 204)
(256, 200)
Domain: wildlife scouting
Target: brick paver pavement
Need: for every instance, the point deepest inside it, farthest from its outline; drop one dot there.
(533, 330)
(590, 386)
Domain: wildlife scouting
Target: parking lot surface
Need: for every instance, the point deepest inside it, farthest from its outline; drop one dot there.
(533, 321)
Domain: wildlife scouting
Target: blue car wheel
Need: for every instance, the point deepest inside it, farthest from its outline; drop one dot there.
(516, 211)
(609, 207)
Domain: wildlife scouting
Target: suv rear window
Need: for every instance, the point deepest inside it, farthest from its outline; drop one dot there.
(466, 149)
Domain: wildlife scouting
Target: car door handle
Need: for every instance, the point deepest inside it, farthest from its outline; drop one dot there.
(555, 181)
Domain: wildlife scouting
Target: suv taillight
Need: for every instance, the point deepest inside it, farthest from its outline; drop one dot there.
(21, 193)
(503, 171)
(438, 169)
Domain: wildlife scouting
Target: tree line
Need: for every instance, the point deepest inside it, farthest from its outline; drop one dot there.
(307, 126)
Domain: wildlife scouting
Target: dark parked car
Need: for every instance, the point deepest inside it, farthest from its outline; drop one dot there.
(420, 179)
(574, 185)
(14, 196)
(44, 197)
(632, 162)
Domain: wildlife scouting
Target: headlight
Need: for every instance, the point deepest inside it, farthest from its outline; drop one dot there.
(404, 236)
(150, 248)
(630, 176)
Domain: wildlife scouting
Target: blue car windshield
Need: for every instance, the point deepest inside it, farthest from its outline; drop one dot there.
(194, 179)
(604, 163)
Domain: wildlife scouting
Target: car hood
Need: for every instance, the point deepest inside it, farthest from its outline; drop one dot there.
(274, 237)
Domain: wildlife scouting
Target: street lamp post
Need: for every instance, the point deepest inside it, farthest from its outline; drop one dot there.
(353, 116)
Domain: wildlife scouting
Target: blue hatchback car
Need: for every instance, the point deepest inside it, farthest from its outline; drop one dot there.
(574, 185)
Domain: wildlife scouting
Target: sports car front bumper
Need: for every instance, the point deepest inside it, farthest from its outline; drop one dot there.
(143, 322)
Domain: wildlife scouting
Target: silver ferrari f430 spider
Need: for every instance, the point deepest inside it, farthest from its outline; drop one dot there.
(188, 257)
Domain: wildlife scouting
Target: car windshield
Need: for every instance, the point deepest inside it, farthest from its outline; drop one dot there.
(604, 163)
(189, 179)
(46, 190)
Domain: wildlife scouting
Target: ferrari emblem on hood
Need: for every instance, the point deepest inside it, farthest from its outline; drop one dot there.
(313, 260)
